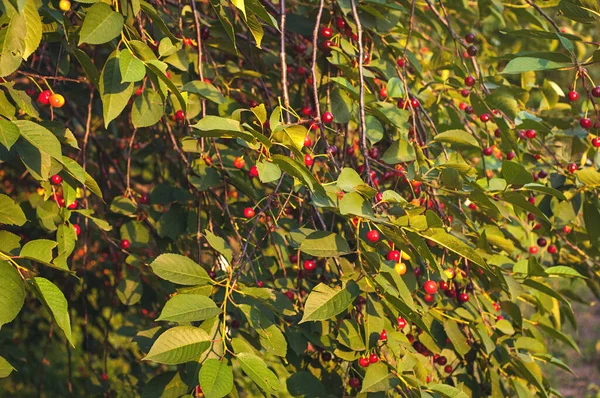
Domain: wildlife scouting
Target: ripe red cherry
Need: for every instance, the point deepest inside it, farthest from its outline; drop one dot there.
(301, 70)
(414, 103)
(469, 81)
(484, 117)
(77, 229)
(249, 212)
(511, 155)
(290, 295)
(472, 51)
(306, 111)
(104, 377)
(573, 96)
(354, 382)
(260, 284)
(327, 45)
(463, 297)
(125, 244)
(444, 285)
(442, 361)
(327, 117)
(572, 168)
(373, 236)
(567, 229)
(253, 173)
(470, 38)
(448, 369)
(179, 115)
(417, 272)
(401, 322)
(596, 142)
(393, 255)
(431, 287)
(596, 92)
(340, 23)
(428, 298)
(542, 242)
(533, 249)
(585, 123)
(472, 206)
(308, 160)
(465, 93)
(139, 91)
(373, 358)
(55, 179)
(552, 249)
(326, 32)
(44, 97)
(309, 265)
(383, 335)
(487, 151)
(239, 162)
(364, 362)
(378, 197)
(400, 62)
(144, 199)
(72, 206)
(531, 134)
(383, 92)
(307, 141)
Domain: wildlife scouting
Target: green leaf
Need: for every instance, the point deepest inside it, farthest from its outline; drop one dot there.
(299, 171)
(12, 293)
(152, 65)
(350, 336)
(457, 137)
(10, 212)
(188, 308)
(147, 109)
(130, 290)
(179, 269)
(259, 373)
(41, 138)
(34, 28)
(589, 177)
(102, 224)
(527, 64)
(378, 378)
(216, 378)
(305, 384)
(399, 152)
(325, 302)
(115, 94)
(55, 301)
(516, 174)
(447, 391)
(205, 90)
(505, 327)
(530, 344)
(219, 244)
(267, 171)
(38, 250)
(325, 244)
(586, 11)
(157, 20)
(349, 179)
(88, 66)
(457, 338)
(5, 368)
(441, 237)
(101, 24)
(132, 69)
(179, 345)
(13, 47)
(123, 205)
(563, 270)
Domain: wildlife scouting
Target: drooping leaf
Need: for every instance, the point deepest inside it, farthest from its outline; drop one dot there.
(101, 24)
(12, 293)
(179, 269)
(54, 300)
(179, 345)
(188, 308)
(216, 378)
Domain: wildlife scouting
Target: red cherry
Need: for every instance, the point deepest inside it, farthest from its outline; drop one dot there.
(289, 294)
(465, 93)
(253, 173)
(431, 287)
(470, 38)
(301, 70)
(596, 92)
(326, 32)
(327, 45)
(378, 197)
(383, 335)
(125, 244)
(401, 322)
(55, 179)
(44, 97)
(511, 155)
(144, 199)
(72, 206)
(567, 229)
(373, 358)
(463, 297)
(393, 255)
(552, 249)
(428, 298)
(531, 134)
(249, 212)
(139, 91)
(364, 362)
(484, 117)
(373, 236)
(487, 151)
(308, 160)
(414, 103)
(469, 81)
(417, 272)
(354, 382)
(400, 62)
(306, 111)
(585, 123)
(533, 249)
(448, 369)
(444, 285)
(542, 242)
(239, 162)
(327, 117)
(383, 92)
(307, 141)
(104, 377)
(472, 51)
(442, 361)
(309, 265)
(260, 284)
(77, 229)
(179, 115)
(340, 23)
(596, 142)
(572, 168)
(573, 96)
(472, 206)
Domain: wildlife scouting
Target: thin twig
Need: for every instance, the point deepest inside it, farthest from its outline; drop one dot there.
(282, 56)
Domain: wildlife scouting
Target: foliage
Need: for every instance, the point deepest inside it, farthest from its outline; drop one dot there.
(254, 198)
